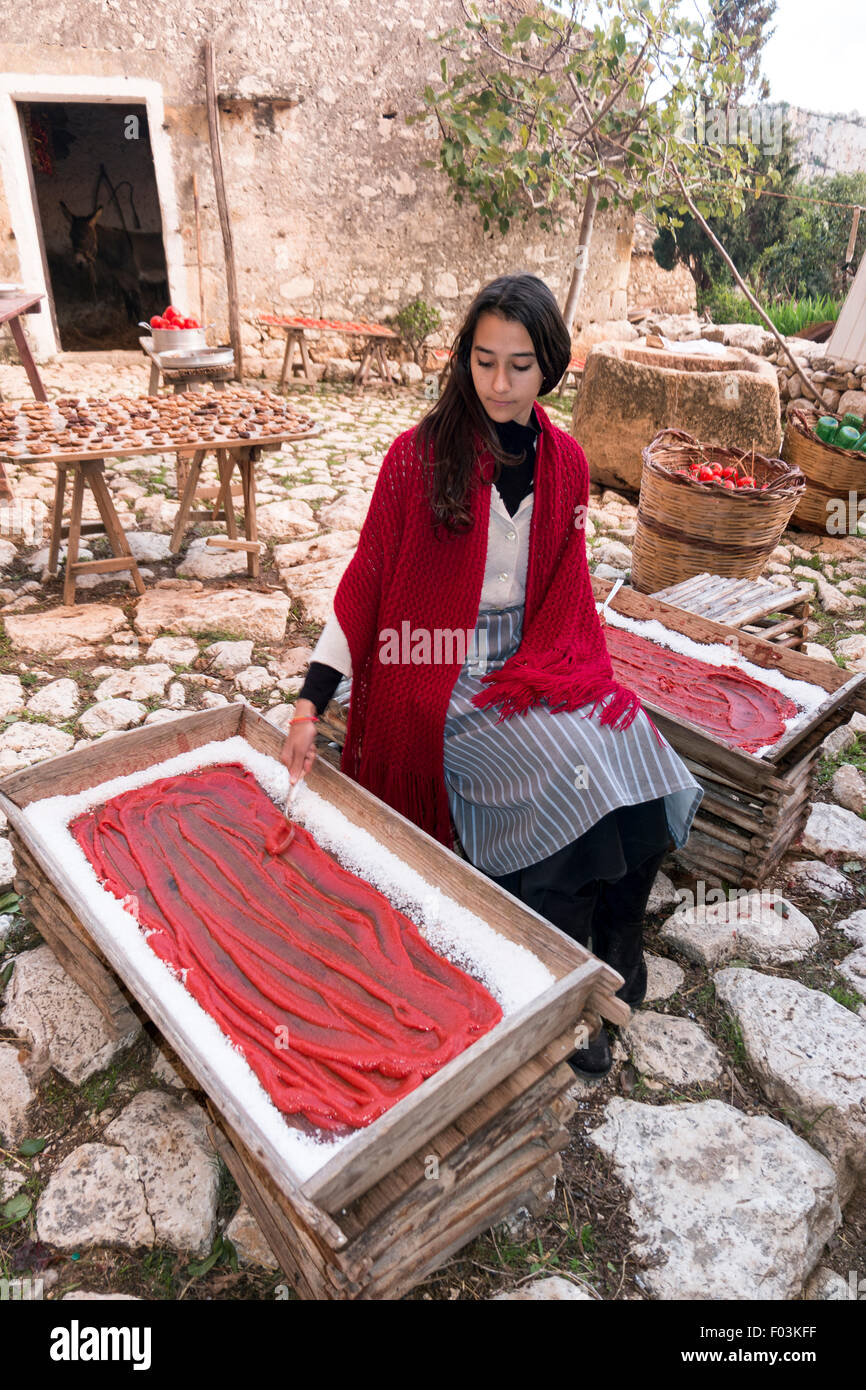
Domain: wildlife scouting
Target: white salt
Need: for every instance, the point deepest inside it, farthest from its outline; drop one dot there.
(512, 974)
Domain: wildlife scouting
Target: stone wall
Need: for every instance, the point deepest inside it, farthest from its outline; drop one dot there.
(333, 213)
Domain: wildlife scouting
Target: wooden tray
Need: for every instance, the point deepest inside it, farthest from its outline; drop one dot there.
(753, 808)
(582, 985)
(269, 441)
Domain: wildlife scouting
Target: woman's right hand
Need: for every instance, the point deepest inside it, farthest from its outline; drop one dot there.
(299, 750)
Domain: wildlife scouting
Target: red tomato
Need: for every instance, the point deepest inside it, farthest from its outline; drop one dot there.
(159, 322)
(746, 481)
(729, 473)
(706, 475)
(715, 467)
(172, 313)
(728, 482)
(191, 323)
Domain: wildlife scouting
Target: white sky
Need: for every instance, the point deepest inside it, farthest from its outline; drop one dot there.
(816, 56)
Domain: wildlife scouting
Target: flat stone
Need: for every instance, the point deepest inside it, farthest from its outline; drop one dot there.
(664, 977)
(8, 553)
(58, 700)
(327, 547)
(50, 633)
(286, 521)
(176, 651)
(293, 662)
(831, 599)
(7, 863)
(245, 1234)
(11, 695)
(838, 741)
(253, 679)
(95, 1197)
(854, 403)
(833, 830)
(854, 927)
(853, 967)
(111, 716)
(817, 652)
(814, 876)
(604, 571)
(212, 699)
(552, 1290)
(162, 716)
(22, 744)
(146, 682)
(177, 1167)
(242, 612)
(674, 1050)
(229, 657)
(314, 586)
(807, 1053)
(151, 547)
(759, 927)
(726, 1206)
(157, 513)
(613, 553)
(313, 492)
(826, 1286)
(65, 1028)
(662, 894)
(849, 789)
(203, 561)
(280, 715)
(347, 513)
(175, 696)
(852, 648)
(15, 1096)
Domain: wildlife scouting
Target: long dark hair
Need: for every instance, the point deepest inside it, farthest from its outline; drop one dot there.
(447, 434)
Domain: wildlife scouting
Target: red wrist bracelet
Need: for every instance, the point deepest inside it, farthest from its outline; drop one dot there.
(305, 719)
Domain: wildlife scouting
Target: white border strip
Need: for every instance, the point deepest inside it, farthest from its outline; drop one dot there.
(18, 87)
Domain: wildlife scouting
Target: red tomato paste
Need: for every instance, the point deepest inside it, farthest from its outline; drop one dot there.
(338, 1003)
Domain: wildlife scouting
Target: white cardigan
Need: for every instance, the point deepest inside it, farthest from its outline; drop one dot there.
(504, 576)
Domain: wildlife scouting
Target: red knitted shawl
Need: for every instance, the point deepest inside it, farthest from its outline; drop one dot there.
(404, 572)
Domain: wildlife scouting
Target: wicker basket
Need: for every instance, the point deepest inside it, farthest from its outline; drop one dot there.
(831, 475)
(685, 527)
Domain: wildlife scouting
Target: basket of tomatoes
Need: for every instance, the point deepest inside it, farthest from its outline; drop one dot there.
(708, 507)
(173, 330)
(831, 451)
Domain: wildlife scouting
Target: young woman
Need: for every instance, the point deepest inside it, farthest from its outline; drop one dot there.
(483, 698)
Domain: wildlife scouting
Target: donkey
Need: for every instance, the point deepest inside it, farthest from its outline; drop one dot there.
(131, 259)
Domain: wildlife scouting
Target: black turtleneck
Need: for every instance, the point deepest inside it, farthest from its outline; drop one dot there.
(515, 480)
(513, 484)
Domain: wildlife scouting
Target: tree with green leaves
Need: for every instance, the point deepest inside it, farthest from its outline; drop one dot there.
(743, 24)
(538, 109)
(762, 223)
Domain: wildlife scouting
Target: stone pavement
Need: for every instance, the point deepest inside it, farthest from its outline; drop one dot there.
(733, 1119)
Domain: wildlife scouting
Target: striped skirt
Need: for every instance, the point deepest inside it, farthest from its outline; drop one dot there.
(523, 789)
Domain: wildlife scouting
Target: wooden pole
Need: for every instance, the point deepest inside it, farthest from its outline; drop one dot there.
(806, 385)
(201, 303)
(222, 205)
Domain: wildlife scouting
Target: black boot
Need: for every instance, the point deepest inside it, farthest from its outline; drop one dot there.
(593, 1061)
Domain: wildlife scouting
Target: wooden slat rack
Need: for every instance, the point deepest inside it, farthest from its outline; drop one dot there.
(746, 604)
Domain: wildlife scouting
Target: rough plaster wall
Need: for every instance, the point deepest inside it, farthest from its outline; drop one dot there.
(651, 287)
(332, 211)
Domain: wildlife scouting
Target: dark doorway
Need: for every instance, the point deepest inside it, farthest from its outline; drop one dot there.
(99, 217)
